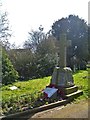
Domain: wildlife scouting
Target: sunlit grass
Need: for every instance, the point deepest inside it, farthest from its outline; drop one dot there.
(81, 79)
(30, 89)
(25, 87)
(31, 86)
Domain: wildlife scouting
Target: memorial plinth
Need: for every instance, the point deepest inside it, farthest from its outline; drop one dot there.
(62, 77)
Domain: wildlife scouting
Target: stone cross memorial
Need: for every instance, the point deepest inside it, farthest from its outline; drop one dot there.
(62, 51)
(62, 83)
(62, 75)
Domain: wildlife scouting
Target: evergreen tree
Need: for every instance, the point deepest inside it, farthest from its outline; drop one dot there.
(9, 74)
(76, 30)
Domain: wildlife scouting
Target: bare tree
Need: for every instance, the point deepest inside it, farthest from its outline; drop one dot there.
(5, 32)
(34, 39)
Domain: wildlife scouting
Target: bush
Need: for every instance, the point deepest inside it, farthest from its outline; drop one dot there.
(9, 74)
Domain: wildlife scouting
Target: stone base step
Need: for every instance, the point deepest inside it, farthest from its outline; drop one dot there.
(68, 90)
(71, 90)
(74, 95)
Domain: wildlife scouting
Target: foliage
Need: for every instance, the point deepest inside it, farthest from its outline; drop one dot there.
(46, 57)
(39, 63)
(23, 61)
(9, 74)
(76, 30)
(5, 32)
(34, 38)
(89, 42)
(38, 58)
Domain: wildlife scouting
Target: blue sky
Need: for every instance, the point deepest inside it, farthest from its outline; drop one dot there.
(25, 15)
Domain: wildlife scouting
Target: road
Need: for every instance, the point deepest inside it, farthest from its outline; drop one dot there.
(73, 110)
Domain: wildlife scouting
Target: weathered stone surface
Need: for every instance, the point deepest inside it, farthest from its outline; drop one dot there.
(62, 77)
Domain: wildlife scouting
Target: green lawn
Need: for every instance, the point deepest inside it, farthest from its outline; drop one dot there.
(30, 90)
(82, 81)
(25, 87)
(27, 92)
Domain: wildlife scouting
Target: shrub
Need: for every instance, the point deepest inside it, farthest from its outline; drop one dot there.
(9, 74)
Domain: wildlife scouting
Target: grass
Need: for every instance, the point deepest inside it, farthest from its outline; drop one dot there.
(25, 87)
(29, 91)
(81, 79)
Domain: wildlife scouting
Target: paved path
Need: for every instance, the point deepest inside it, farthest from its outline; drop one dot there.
(79, 110)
